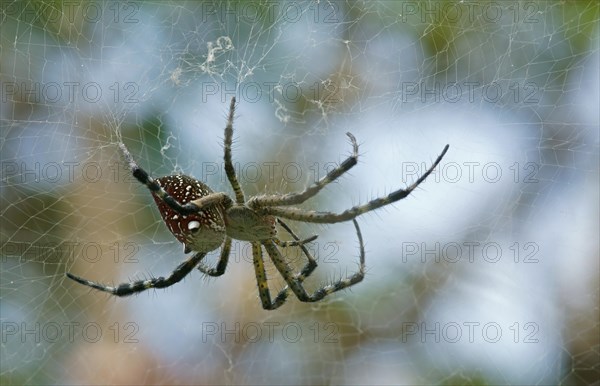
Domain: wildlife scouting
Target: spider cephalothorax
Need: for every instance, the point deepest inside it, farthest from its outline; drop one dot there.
(204, 220)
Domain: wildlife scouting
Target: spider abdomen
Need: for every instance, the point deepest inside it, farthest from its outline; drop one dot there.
(203, 231)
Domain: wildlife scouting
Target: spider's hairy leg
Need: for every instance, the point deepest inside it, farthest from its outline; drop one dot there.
(311, 191)
(211, 200)
(223, 260)
(261, 280)
(330, 218)
(261, 276)
(295, 243)
(127, 289)
(295, 283)
(229, 170)
(143, 177)
(312, 263)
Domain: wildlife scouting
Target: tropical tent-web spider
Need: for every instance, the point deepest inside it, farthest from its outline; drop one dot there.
(204, 221)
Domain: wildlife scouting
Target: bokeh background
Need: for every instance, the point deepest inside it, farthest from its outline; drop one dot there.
(487, 274)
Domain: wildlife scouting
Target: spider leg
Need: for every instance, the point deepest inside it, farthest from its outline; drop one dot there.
(211, 200)
(330, 218)
(142, 176)
(229, 170)
(295, 243)
(261, 276)
(296, 284)
(261, 279)
(127, 289)
(312, 263)
(223, 260)
(298, 198)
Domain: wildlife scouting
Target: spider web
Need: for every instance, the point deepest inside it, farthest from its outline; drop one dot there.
(487, 274)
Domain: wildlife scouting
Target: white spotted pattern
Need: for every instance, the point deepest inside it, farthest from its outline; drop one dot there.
(200, 232)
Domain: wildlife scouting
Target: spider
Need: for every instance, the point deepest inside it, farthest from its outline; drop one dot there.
(204, 221)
